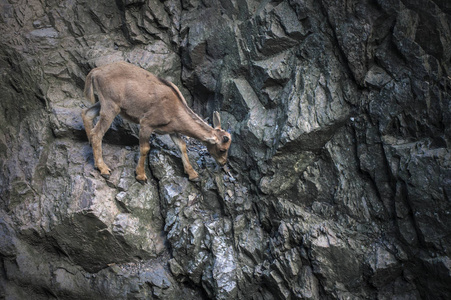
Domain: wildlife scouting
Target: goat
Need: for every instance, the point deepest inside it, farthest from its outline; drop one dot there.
(156, 105)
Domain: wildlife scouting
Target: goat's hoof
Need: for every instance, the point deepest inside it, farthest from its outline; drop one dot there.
(195, 179)
(106, 176)
(143, 182)
(141, 179)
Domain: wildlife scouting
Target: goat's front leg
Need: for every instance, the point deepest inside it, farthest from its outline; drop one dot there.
(144, 148)
(192, 175)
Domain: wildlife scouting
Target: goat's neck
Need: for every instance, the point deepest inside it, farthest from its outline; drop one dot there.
(193, 126)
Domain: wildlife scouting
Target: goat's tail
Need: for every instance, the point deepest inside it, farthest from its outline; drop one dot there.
(89, 88)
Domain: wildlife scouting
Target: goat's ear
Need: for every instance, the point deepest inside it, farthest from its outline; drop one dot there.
(216, 120)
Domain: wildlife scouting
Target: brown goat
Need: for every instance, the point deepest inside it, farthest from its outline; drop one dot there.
(156, 105)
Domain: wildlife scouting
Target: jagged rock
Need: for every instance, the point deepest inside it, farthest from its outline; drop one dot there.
(339, 173)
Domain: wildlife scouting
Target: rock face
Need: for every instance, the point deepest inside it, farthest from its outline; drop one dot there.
(340, 169)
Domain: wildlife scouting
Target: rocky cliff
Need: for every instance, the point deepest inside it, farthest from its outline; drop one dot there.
(340, 169)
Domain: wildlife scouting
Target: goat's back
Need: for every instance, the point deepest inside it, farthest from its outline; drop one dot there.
(134, 91)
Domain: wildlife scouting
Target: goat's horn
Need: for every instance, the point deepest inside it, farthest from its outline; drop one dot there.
(216, 120)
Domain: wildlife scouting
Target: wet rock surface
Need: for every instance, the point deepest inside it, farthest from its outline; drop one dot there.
(339, 175)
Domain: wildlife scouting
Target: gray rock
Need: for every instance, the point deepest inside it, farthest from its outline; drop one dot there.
(338, 179)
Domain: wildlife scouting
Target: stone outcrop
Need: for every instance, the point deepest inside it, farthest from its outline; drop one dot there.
(339, 177)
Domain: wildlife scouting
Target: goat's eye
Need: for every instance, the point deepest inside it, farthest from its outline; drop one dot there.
(223, 150)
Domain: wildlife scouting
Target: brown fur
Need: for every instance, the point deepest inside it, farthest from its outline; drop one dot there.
(154, 103)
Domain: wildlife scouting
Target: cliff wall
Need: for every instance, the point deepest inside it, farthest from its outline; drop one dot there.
(340, 177)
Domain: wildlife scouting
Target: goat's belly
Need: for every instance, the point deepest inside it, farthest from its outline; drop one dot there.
(129, 117)
(161, 132)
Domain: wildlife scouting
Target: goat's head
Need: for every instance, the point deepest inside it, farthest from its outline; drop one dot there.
(219, 144)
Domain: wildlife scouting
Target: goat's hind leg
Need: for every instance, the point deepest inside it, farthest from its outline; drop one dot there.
(88, 115)
(192, 175)
(106, 118)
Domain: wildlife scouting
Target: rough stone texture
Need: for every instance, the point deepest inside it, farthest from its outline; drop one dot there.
(340, 176)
